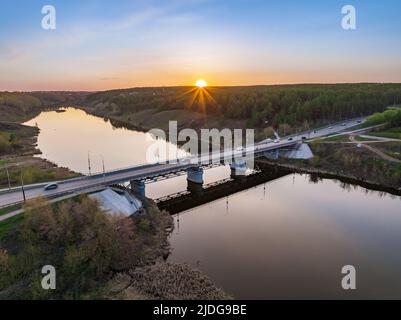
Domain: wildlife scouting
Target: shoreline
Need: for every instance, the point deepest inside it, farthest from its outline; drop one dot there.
(331, 175)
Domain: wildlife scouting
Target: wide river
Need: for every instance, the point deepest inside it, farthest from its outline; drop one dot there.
(288, 238)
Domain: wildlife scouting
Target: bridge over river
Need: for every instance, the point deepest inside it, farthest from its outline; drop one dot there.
(139, 175)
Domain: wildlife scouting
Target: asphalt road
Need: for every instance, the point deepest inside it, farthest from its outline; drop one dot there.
(83, 184)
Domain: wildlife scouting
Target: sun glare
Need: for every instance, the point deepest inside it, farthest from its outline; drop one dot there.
(201, 83)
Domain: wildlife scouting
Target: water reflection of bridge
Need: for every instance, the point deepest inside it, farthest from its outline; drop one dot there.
(197, 195)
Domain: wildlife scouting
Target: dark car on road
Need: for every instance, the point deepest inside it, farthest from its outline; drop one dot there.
(51, 186)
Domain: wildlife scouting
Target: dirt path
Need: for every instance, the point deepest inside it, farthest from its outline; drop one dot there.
(374, 150)
(380, 138)
(9, 215)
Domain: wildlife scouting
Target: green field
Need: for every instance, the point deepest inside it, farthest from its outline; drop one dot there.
(362, 139)
(334, 138)
(393, 133)
(9, 225)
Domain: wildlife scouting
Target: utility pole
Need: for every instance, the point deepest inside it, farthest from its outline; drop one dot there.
(8, 178)
(22, 188)
(89, 164)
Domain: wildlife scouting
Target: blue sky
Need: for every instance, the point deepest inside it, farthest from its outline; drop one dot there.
(100, 44)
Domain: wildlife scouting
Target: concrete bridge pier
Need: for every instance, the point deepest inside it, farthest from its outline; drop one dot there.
(238, 168)
(195, 181)
(195, 175)
(196, 189)
(138, 187)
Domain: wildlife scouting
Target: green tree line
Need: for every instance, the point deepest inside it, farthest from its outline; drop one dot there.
(391, 117)
(294, 105)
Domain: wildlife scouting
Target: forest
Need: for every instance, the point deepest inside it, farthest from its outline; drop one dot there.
(292, 105)
(284, 107)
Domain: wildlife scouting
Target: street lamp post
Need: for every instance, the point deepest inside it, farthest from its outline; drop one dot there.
(104, 169)
(8, 178)
(22, 187)
(89, 164)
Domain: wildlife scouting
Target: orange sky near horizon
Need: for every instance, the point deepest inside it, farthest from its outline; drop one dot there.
(230, 79)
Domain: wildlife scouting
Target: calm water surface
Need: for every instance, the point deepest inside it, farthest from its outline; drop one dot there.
(67, 137)
(286, 239)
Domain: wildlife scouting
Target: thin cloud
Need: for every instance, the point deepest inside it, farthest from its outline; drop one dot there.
(179, 19)
(136, 19)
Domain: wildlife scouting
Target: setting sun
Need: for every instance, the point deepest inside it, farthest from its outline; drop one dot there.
(201, 83)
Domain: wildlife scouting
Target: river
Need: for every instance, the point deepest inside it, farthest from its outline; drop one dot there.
(288, 238)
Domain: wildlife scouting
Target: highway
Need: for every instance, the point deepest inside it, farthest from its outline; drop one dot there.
(85, 183)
